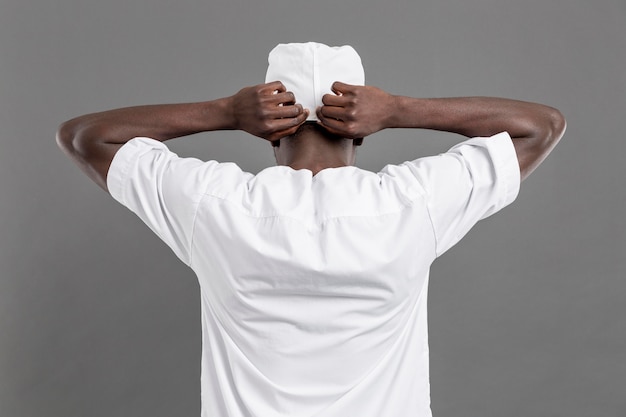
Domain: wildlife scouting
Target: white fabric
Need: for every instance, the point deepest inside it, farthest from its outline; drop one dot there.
(314, 288)
(309, 70)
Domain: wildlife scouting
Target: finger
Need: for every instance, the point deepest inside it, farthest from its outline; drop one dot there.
(334, 100)
(288, 122)
(331, 112)
(340, 88)
(286, 127)
(275, 86)
(331, 130)
(286, 112)
(285, 98)
(333, 125)
(283, 133)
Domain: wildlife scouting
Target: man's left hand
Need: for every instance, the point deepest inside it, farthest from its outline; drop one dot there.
(356, 111)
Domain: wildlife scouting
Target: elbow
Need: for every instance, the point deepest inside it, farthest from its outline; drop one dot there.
(554, 130)
(546, 134)
(557, 125)
(66, 137)
(77, 136)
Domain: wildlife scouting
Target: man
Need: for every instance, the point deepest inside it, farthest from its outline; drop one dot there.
(314, 273)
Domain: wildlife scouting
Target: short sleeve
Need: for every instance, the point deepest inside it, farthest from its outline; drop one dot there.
(470, 182)
(163, 189)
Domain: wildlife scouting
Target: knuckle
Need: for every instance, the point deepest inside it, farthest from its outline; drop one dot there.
(351, 128)
(265, 127)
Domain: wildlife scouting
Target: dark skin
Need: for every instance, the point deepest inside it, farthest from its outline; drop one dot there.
(314, 148)
(267, 111)
(359, 111)
(352, 112)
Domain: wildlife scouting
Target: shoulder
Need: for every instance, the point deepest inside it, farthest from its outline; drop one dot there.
(147, 165)
(474, 161)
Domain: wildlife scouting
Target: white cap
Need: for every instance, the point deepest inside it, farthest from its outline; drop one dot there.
(309, 70)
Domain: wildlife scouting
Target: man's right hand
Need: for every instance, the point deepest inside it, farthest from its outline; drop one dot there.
(356, 111)
(268, 111)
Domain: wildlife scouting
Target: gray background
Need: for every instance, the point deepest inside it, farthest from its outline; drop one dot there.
(98, 318)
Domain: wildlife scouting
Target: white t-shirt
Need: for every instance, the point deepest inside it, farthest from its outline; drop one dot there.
(314, 288)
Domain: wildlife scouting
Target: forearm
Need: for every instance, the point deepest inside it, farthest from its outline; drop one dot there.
(160, 122)
(91, 141)
(475, 116)
(358, 111)
(534, 128)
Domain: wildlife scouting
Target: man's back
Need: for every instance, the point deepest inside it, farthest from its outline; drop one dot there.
(314, 288)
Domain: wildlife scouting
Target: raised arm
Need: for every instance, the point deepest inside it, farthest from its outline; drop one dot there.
(91, 141)
(358, 111)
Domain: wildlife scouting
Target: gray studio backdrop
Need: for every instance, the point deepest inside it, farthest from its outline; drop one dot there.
(98, 318)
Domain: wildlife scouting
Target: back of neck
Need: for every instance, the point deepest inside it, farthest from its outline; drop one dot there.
(315, 151)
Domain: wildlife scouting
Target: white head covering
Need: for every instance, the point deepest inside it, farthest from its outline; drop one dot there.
(310, 69)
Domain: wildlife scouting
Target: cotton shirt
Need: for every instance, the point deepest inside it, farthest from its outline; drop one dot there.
(314, 287)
